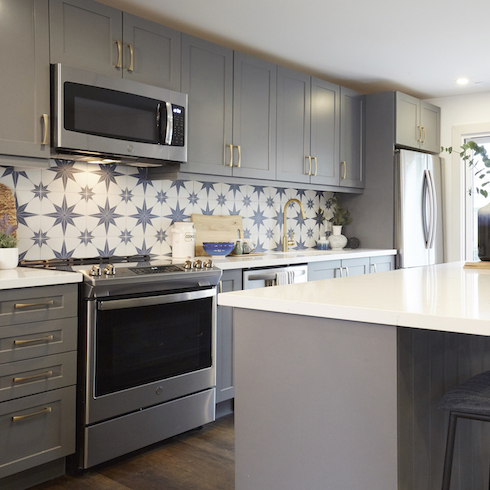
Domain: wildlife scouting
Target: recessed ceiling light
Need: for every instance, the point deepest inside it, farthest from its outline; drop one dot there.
(462, 81)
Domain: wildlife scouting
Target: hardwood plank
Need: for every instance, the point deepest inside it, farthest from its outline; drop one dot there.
(197, 460)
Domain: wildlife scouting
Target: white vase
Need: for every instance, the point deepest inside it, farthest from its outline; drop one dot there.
(9, 258)
(336, 239)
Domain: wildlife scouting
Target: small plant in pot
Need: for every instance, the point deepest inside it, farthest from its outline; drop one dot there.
(341, 217)
(9, 253)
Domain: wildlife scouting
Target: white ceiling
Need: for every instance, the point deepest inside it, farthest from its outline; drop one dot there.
(419, 46)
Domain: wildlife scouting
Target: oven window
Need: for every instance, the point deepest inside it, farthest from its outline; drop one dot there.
(139, 345)
(109, 113)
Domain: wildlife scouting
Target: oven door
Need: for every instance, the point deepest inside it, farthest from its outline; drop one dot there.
(143, 351)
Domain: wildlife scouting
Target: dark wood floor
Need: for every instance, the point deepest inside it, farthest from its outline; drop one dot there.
(197, 460)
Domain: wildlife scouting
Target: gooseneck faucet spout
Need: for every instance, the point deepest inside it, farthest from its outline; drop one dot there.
(289, 242)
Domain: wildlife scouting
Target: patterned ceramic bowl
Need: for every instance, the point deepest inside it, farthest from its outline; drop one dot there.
(218, 248)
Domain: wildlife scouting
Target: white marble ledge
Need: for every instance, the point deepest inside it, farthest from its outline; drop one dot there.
(443, 297)
(24, 277)
(293, 257)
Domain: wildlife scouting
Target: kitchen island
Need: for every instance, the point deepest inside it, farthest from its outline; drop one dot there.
(337, 381)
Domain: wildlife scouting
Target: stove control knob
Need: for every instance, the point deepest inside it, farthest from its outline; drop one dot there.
(198, 264)
(187, 264)
(208, 264)
(109, 270)
(95, 271)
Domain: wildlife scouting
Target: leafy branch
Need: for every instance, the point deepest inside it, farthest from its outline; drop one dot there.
(470, 151)
(341, 216)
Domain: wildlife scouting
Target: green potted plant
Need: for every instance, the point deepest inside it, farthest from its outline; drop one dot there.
(341, 217)
(468, 154)
(9, 253)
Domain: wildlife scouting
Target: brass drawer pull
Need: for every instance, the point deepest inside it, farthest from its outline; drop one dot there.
(45, 129)
(18, 418)
(48, 338)
(47, 374)
(49, 302)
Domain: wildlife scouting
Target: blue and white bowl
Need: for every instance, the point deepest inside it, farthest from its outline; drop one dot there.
(218, 248)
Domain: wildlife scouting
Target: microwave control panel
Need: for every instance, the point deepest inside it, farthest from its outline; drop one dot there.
(179, 124)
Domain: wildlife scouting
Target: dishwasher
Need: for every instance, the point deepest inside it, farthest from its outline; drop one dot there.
(274, 276)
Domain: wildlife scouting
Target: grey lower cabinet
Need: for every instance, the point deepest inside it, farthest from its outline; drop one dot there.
(24, 78)
(330, 269)
(417, 123)
(38, 357)
(320, 135)
(99, 38)
(225, 380)
(232, 111)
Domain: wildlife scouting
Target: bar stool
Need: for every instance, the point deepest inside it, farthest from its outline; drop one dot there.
(469, 400)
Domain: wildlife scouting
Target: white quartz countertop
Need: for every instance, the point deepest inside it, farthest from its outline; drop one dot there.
(24, 277)
(293, 257)
(443, 297)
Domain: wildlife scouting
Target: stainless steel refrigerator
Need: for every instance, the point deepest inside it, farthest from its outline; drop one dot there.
(418, 209)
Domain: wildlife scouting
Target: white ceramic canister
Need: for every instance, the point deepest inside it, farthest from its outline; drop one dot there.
(183, 240)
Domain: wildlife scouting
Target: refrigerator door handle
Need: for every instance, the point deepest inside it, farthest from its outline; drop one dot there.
(433, 216)
(426, 193)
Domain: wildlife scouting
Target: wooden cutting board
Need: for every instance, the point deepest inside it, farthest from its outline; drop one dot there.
(483, 264)
(217, 228)
(7, 205)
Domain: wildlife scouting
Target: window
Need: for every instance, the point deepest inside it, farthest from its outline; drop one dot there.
(474, 201)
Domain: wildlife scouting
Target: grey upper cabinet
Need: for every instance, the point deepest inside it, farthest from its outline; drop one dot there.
(99, 38)
(254, 117)
(352, 168)
(207, 78)
(417, 124)
(232, 111)
(24, 102)
(319, 125)
(293, 126)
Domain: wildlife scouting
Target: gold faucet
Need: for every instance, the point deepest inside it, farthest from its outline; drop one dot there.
(289, 242)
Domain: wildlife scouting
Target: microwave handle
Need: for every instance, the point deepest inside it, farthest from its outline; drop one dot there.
(170, 124)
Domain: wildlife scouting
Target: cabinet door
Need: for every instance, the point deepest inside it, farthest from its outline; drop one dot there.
(152, 51)
(430, 121)
(207, 77)
(24, 78)
(85, 34)
(325, 132)
(355, 267)
(254, 117)
(352, 171)
(293, 126)
(225, 378)
(329, 269)
(382, 264)
(408, 130)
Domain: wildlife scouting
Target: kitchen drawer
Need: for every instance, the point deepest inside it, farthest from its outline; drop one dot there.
(37, 304)
(33, 376)
(45, 432)
(37, 339)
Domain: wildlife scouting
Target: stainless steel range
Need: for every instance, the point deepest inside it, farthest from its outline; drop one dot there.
(146, 351)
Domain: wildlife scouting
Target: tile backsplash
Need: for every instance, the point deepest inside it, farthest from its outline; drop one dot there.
(84, 210)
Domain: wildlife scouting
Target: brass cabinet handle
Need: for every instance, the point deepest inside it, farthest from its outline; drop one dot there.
(231, 156)
(346, 271)
(48, 338)
(309, 165)
(341, 271)
(45, 120)
(420, 134)
(49, 302)
(131, 57)
(119, 55)
(423, 139)
(46, 374)
(344, 175)
(220, 284)
(18, 418)
(239, 148)
(316, 165)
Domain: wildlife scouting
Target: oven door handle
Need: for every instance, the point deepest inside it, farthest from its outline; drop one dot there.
(119, 304)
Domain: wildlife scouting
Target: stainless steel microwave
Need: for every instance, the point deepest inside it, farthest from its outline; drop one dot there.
(101, 119)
